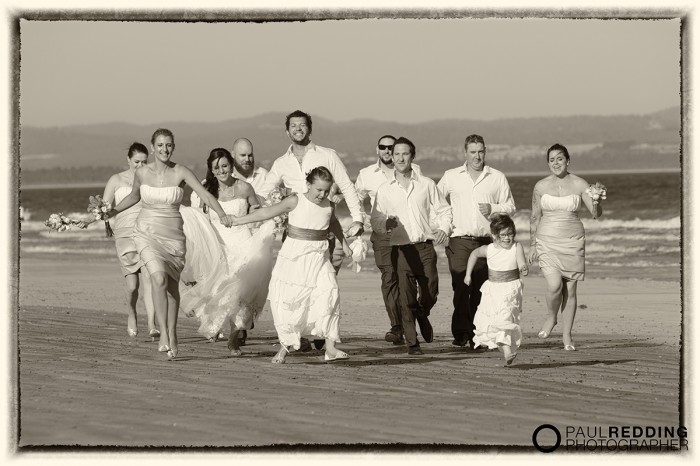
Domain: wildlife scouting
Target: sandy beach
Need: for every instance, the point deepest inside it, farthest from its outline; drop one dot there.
(83, 382)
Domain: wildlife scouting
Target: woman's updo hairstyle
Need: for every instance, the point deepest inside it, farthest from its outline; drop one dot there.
(559, 148)
(137, 148)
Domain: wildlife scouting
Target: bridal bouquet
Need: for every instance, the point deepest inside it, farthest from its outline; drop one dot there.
(275, 197)
(98, 207)
(59, 222)
(597, 192)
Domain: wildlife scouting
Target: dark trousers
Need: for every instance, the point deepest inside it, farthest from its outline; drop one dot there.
(416, 269)
(390, 282)
(466, 298)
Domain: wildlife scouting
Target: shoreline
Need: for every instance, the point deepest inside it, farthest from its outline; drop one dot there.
(640, 171)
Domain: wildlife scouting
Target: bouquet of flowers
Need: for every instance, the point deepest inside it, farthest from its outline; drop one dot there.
(597, 192)
(59, 222)
(98, 207)
(359, 250)
(275, 197)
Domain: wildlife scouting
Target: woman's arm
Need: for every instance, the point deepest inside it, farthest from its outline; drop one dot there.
(249, 193)
(133, 197)
(593, 207)
(265, 213)
(478, 253)
(535, 218)
(520, 257)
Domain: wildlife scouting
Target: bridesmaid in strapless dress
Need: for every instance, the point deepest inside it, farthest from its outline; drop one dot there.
(159, 234)
(558, 240)
(117, 188)
(239, 292)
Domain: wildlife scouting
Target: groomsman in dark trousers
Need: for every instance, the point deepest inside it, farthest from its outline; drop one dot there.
(475, 191)
(404, 208)
(367, 183)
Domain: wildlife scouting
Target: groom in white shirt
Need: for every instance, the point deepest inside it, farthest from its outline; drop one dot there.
(368, 181)
(475, 191)
(404, 209)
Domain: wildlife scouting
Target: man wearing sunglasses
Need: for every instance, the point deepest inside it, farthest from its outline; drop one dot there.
(412, 212)
(368, 181)
(475, 191)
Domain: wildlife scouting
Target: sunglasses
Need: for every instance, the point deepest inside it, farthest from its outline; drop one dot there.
(383, 147)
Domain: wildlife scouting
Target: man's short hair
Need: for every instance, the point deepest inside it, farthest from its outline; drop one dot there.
(298, 114)
(384, 137)
(403, 140)
(474, 139)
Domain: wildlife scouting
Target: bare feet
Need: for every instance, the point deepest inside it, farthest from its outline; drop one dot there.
(131, 325)
(547, 327)
(281, 356)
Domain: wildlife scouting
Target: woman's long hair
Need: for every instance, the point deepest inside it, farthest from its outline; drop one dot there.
(211, 183)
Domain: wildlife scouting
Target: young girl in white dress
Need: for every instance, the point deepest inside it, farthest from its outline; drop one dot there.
(498, 317)
(236, 292)
(303, 290)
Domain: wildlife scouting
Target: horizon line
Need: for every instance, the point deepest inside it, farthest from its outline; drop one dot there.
(496, 119)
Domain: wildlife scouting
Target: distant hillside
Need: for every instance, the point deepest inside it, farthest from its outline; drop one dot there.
(596, 143)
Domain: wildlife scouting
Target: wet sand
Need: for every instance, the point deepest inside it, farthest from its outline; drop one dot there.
(84, 382)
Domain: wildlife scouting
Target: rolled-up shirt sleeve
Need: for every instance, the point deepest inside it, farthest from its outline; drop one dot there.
(360, 188)
(442, 211)
(273, 179)
(341, 178)
(506, 204)
(443, 187)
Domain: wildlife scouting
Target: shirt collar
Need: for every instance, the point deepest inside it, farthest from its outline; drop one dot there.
(239, 175)
(378, 166)
(311, 147)
(463, 169)
(414, 175)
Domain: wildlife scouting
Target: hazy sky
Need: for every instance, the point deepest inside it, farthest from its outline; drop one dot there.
(390, 69)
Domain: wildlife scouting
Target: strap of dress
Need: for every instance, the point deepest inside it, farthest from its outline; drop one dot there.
(306, 234)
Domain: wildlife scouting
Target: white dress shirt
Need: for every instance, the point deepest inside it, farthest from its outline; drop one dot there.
(256, 180)
(465, 194)
(413, 207)
(286, 169)
(372, 177)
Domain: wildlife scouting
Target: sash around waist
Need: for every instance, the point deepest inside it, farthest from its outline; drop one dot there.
(161, 208)
(306, 234)
(503, 275)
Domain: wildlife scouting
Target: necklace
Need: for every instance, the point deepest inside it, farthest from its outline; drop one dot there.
(161, 176)
(559, 182)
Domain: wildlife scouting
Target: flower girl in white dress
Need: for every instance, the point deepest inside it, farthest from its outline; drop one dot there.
(497, 319)
(303, 291)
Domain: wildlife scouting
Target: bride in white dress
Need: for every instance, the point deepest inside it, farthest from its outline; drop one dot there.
(237, 289)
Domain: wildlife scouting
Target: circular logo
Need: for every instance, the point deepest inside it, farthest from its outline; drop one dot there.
(546, 449)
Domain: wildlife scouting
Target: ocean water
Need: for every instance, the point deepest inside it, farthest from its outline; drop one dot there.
(638, 236)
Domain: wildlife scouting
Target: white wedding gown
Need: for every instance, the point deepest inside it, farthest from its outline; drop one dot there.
(233, 282)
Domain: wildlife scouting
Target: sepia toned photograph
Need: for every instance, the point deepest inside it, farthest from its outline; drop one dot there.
(267, 231)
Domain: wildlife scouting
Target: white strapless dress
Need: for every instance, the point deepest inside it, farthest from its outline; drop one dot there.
(236, 288)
